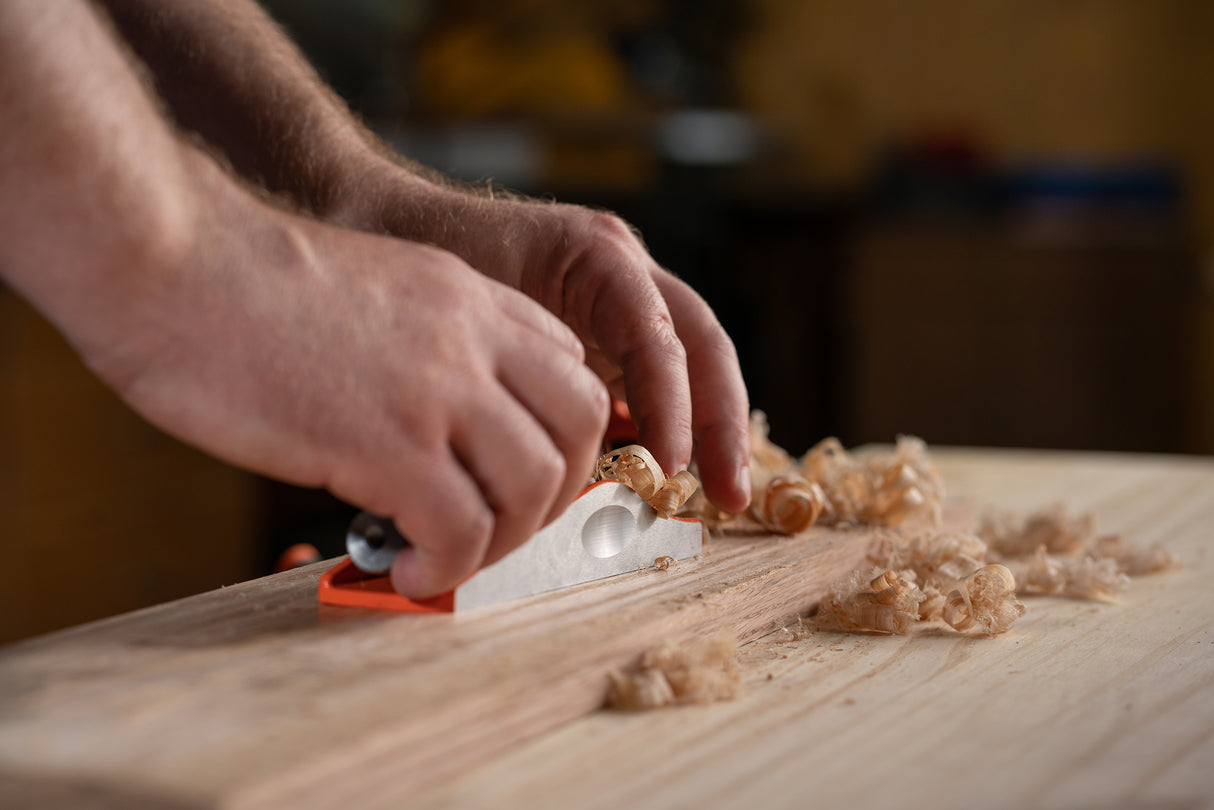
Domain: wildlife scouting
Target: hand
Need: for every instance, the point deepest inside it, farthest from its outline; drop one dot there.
(649, 336)
(388, 371)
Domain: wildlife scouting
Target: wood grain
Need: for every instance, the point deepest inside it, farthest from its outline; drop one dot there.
(1082, 705)
(257, 696)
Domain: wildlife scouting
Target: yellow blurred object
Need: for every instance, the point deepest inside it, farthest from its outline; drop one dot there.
(473, 71)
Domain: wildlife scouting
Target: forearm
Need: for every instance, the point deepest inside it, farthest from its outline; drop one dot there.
(227, 72)
(90, 174)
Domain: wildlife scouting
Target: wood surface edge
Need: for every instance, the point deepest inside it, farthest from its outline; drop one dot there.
(747, 585)
(388, 766)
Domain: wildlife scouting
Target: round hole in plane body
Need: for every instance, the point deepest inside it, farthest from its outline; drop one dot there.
(608, 531)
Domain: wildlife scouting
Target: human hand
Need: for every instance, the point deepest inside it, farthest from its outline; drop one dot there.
(648, 335)
(387, 371)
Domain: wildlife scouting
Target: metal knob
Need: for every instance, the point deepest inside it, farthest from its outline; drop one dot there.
(373, 542)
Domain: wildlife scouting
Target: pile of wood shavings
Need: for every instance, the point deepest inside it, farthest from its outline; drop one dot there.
(918, 573)
(1053, 553)
(700, 672)
(971, 580)
(828, 485)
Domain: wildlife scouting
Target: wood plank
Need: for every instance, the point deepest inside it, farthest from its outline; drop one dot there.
(258, 696)
(1082, 705)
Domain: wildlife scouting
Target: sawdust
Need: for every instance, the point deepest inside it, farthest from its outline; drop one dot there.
(703, 671)
(786, 634)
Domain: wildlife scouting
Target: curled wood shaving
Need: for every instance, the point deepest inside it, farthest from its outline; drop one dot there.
(664, 562)
(781, 499)
(987, 599)
(636, 468)
(786, 504)
(700, 672)
(879, 602)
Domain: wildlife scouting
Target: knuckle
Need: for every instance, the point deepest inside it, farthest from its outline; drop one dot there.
(605, 224)
(655, 330)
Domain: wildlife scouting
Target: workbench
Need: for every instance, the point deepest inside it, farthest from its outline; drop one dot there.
(256, 696)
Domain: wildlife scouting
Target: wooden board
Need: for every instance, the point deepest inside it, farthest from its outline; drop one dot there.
(257, 696)
(1082, 705)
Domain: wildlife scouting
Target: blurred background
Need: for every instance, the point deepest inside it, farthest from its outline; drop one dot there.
(981, 223)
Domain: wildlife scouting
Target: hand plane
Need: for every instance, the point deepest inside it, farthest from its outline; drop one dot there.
(607, 530)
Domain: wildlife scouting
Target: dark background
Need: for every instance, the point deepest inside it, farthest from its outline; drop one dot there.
(984, 224)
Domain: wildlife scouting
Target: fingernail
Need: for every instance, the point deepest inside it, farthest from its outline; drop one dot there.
(744, 483)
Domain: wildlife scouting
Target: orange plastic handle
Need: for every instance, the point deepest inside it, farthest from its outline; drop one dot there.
(346, 584)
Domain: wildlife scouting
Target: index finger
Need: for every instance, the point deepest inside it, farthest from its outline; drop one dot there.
(624, 312)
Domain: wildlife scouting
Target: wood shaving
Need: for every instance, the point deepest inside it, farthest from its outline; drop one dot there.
(1134, 561)
(789, 495)
(902, 488)
(1083, 577)
(664, 562)
(1008, 534)
(1058, 554)
(987, 599)
(781, 499)
(786, 504)
(877, 601)
(970, 580)
(636, 468)
(939, 559)
(701, 672)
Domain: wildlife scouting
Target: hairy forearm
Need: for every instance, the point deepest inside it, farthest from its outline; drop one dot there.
(227, 72)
